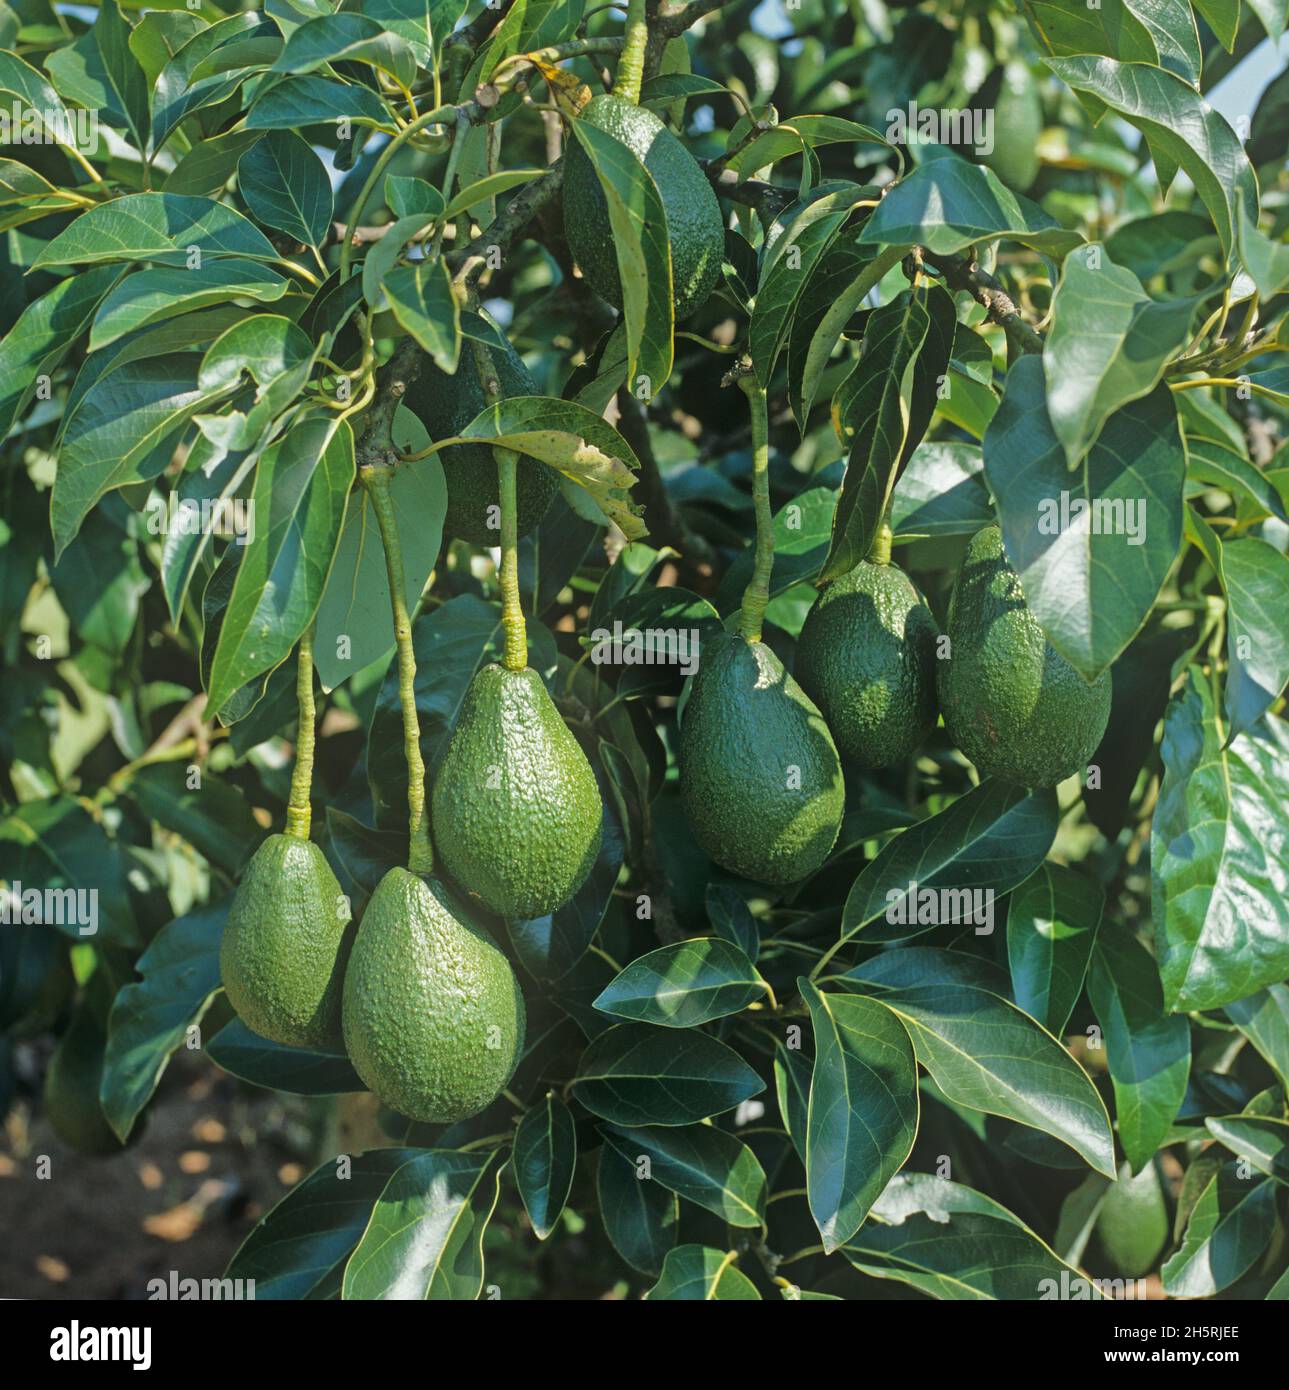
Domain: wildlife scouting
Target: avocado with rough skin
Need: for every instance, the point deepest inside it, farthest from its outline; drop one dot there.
(694, 224)
(866, 657)
(760, 781)
(517, 814)
(1011, 701)
(433, 1013)
(285, 943)
(445, 405)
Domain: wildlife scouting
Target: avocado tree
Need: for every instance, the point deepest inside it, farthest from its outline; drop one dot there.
(690, 597)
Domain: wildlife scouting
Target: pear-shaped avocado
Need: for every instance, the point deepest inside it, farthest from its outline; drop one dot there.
(72, 1083)
(516, 809)
(445, 405)
(433, 1014)
(285, 944)
(1011, 701)
(866, 657)
(694, 225)
(760, 781)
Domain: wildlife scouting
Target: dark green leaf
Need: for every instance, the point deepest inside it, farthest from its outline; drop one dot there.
(703, 1164)
(286, 187)
(1052, 921)
(697, 1273)
(640, 1217)
(1230, 1226)
(684, 985)
(544, 1159)
(296, 1070)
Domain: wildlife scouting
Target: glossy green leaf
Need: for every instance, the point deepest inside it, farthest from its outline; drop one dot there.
(871, 413)
(1259, 1140)
(1148, 1051)
(1093, 547)
(731, 920)
(1108, 345)
(425, 1235)
(161, 292)
(949, 204)
(301, 490)
(700, 1163)
(1229, 1228)
(1263, 1018)
(942, 492)
(1219, 865)
(863, 1110)
(1180, 126)
(640, 1217)
(151, 1018)
(1215, 465)
(684, 985)
(544, 1160)
(950, 1242)
(986, 842)
(697, 1273)
(637, 1075)
(100, 72)
(422, 301)
(985, 1054)
(346, 37)
(286, 187)
(303, 101)
(296, 1070)
(299, 1248)
(164, 228)
(1052, 922)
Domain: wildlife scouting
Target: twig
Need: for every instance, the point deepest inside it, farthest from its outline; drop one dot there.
(469, 262)
(962, 273)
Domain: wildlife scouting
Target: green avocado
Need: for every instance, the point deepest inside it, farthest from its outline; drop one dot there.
(1011, 702)
(516, 810)
(285, 943)
(760, 781)
(866, 657)
(433, 1013)
(693, 214)
(445, 405)
(72, 1084)
(1132, 1224)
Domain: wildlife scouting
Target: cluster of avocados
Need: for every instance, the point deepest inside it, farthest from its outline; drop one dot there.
(421, 999)
(761, 752)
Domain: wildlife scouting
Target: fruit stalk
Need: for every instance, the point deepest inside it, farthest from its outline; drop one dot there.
(515, 654)
(420, 856)
(757, 594)
(879, 553)
(630, 74)
(298, 815)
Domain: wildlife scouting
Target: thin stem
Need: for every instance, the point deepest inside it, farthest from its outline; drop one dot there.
(420, 856)
(450, 174)
(298, 814)
(757, 594)
(435, 117)
(879, 553)
(512, 614)
(630, 74)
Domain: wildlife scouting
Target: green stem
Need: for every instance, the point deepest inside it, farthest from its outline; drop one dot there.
(435, 117)
(298, 814)
(515, 655)
(420, 856)
(757, 594)
(879, 553)
(512, 613)
(630, 74)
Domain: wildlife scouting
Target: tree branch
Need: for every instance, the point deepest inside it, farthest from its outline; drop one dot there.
(470, 261)
(962, 273)
(377, 447)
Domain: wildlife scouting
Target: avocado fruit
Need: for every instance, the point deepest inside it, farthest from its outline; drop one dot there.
(73, 1078)
(694, 224)
(445, 405)
(516, 810)
(1010, 701)
(285, 944)
(1132, 1225)
(760, 781)
(433, 1013)
(866, 657)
